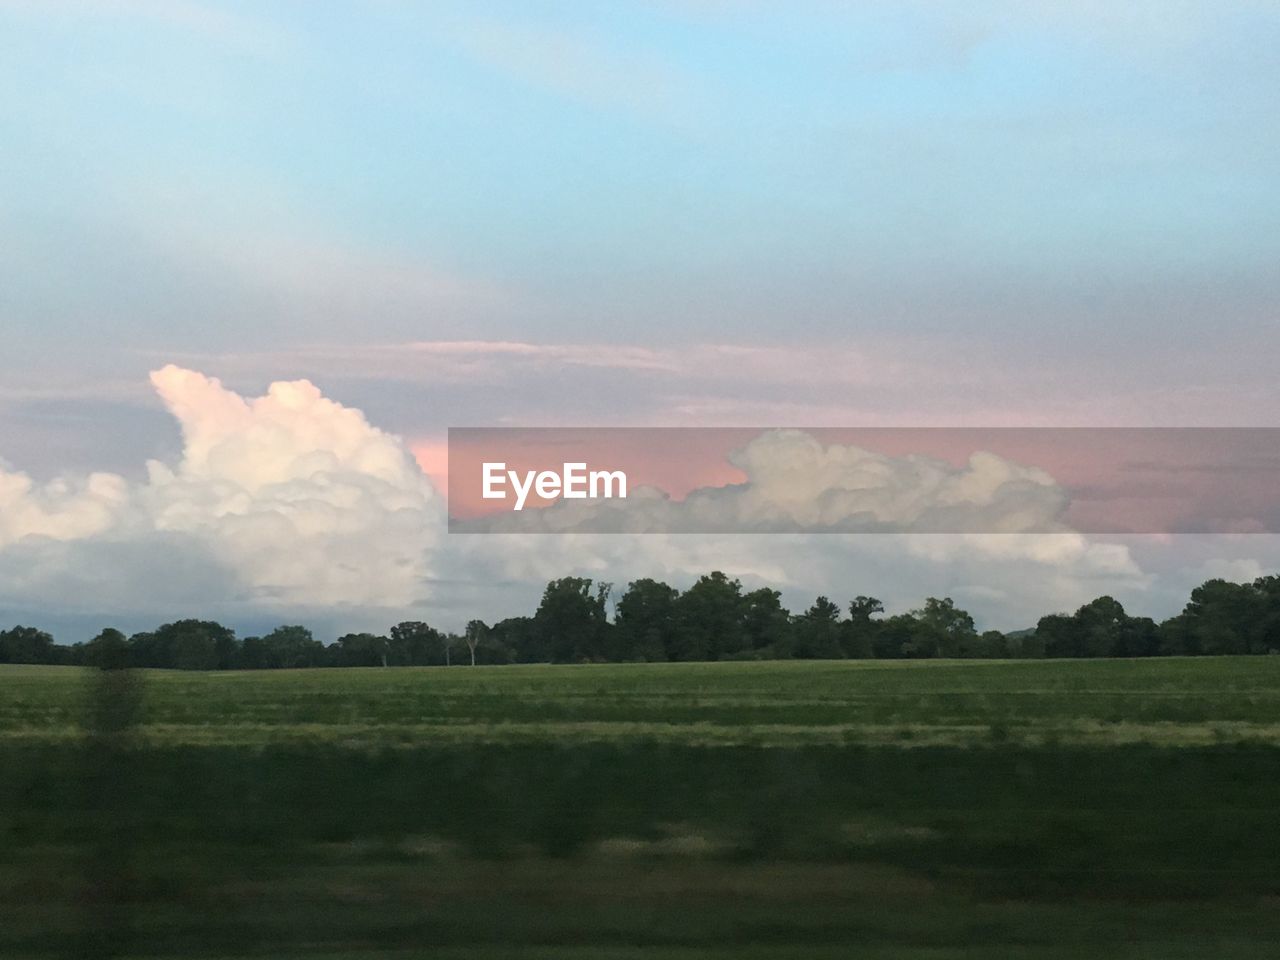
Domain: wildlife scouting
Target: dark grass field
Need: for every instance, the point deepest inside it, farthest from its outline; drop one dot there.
(887, 810)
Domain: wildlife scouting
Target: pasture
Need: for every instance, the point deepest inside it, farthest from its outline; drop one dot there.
(1040, 809)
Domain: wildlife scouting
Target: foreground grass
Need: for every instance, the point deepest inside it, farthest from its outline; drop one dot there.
(906, 810)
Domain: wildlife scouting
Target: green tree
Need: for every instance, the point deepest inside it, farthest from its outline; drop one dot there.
(862, 627)
(477, 632)
(1059, 635)
(109, 650)
(26, 645)
(1100, 625)
(186, 645)
(414, 643)
(818, 632)
(645, 623)
(895, 637)
(1224, 618)
(292, 646)
(360, 650)
(766, 624)
(1268, 628)
(517, 638)
(253, 654)
(1100, 628)
(1139, 637)
(570, 621)
(942, 629)
(1176, 637)
(708, 619)
(989, 645)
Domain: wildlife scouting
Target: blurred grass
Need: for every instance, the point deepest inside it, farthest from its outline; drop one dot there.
(913, 810)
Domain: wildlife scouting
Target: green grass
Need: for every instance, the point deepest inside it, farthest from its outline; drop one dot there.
(911, 810)
(1174, 701)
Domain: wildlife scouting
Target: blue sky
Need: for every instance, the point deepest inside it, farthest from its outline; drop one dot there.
(641, 170)
(988, 212)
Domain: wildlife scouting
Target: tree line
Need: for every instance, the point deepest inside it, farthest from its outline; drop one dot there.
(715, 619)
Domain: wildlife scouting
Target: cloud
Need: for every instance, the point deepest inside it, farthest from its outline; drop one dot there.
(292, 504)
(423, 386)
(794, 479)
(794, 483)
(297, 498)
(468, 356)
(301, 494)
(711, 362)
(1237, 569)
(63, 509)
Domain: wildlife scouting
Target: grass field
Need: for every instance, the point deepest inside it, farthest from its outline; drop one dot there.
(896, 810)
(963, 703)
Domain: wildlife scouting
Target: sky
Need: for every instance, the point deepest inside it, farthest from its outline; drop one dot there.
(677, 212)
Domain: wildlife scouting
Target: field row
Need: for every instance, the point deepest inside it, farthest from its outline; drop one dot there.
(1211, 699)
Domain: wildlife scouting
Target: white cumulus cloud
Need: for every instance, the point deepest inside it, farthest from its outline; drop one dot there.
(63, 509)
(298, 498)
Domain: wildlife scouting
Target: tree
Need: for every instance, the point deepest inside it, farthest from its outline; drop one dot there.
(895, 637)
(477, 631)
(253, 654)
(494, 644)
(570, 621)
(26, 645)
(413, 642)
(766, 624)
(291, 647)
(516, 638)
(708, 619)
(361, 650)
(862, 628)
(1139, 637)
(991, 644)
(712, 620)
(1024, 644)
(1100, 625)
(818, 632)
(1100, 628)
(192, 648)
(942, 629)
(109, 650)
(645, 623)
(1225, 618)
(1058, 634)
(1268, 629)
(186, 645)
(1176, 637)
(143, 649)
